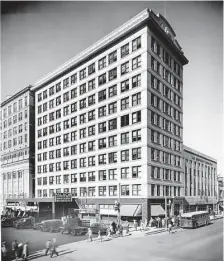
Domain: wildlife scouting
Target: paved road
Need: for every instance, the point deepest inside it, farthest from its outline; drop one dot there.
(35, 238)
(202, 244)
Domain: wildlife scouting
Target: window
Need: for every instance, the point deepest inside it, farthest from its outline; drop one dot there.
(102, 79)
(102, 111)
(74, 107)
(91, 176)
(58, 87)
(73, 178)
(124, 68)
(125, 103)
(82, 74)
(65, 83)
(91, 130)
(91, 68)
(73, 135)
(112, 174)
(58, 100)
(51, 167)
(82, 89)
(136, 153)
(91, 115)
(74, 93)
(65, 165)
(136, 190)
(125, 155)
(91, 85)
(113, 190)
(113, 74)
(82, 118)
(102, 63)
(66, 151)
(45, 107)
(74, 192)
(136, 172)
(74, 164)
(112, 141)
(74, 78)
(82, 133)
(102, 143)
(112, 124)
(91, 191)
(102, 159)
(136, 44)
(125, 86)
(91, 161)
(136, 62)
(102, 190)
(125, 50)
(112, 157)
(66, 96)
(112, 91)
(136, 135)
(136, 99)
(58, 179)
(124, 173)
(91, 100)
(51, 90)
(65, 138)
(112, 108)
(82, 104)
(74, 150)
(102, 175)
(112, 57)
(125, 120)
(136, 117)
(91, 145)
(125, 138)
(66, 125)
(39, 110)
(21, 102)
(102, 127)
(125, 190)
(83, 177)
(74, 121)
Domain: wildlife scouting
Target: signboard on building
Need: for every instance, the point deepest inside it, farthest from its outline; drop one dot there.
(63, 197)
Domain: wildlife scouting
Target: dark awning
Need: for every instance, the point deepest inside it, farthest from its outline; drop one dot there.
(157, 210)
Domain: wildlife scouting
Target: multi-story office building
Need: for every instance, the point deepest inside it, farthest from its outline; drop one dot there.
(200, 181)
(17, 145)
(109, 121)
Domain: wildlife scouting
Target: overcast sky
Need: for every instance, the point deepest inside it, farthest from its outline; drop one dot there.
(37, 37)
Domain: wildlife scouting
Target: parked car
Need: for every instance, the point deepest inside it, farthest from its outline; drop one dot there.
(99, 226)
(52, 225)
(25, 223)
(7, 221)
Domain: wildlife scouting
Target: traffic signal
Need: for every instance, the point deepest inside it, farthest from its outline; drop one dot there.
(117, 206)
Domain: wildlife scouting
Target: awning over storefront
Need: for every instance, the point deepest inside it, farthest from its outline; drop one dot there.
(157, 210)
(126, 211)
(131, 210)
(22, 208)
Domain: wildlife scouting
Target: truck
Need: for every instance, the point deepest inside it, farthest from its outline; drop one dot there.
(73, 226)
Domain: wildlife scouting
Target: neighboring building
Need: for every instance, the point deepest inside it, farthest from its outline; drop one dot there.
(220, 193)
(17, 145)
(200, 181)
(109, 121)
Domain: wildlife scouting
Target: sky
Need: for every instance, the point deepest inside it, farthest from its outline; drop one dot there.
(37, 37)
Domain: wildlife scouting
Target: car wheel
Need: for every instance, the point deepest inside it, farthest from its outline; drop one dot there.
(73, 233)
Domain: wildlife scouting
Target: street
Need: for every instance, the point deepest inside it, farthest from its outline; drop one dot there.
(202, 244)
(36, 238)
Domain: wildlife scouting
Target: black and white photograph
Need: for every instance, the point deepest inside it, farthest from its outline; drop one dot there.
(111, 131)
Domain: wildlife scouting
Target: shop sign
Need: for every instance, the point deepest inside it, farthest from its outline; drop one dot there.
(63, 197)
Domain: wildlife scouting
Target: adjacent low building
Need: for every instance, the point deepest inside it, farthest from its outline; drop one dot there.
(18, 146)
(200, 182)
(220, 193)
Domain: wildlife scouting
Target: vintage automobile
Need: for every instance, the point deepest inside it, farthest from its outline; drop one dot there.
(7, 221)
(52, 225)
(73, 226)
(25, 223)
(99, 226)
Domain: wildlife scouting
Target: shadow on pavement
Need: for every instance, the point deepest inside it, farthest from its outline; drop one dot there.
(38, 254)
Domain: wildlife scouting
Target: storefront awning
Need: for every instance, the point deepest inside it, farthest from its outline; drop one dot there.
(22, 208)
(131, 210)
(157, 210)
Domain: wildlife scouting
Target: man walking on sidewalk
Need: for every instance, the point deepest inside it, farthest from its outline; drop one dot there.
(48, 247)
(53, 248)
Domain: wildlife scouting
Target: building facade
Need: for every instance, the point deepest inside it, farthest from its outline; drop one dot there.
(109, 121)
(201, 191)
(220, 193)
(17, 145)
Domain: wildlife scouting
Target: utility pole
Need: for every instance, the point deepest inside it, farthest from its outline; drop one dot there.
(166, 211)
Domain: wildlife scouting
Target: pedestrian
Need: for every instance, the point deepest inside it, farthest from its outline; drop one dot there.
(141, 226)
(170, 227)
(135, 225)
(20, 250)
(121, 230)
(5, 252)
(53, 247)
(163, 222)
(48, 247)
(14, 249)
(90, 234)
(99, 235)
(25, 252)
(127, 228)
(108, 233)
